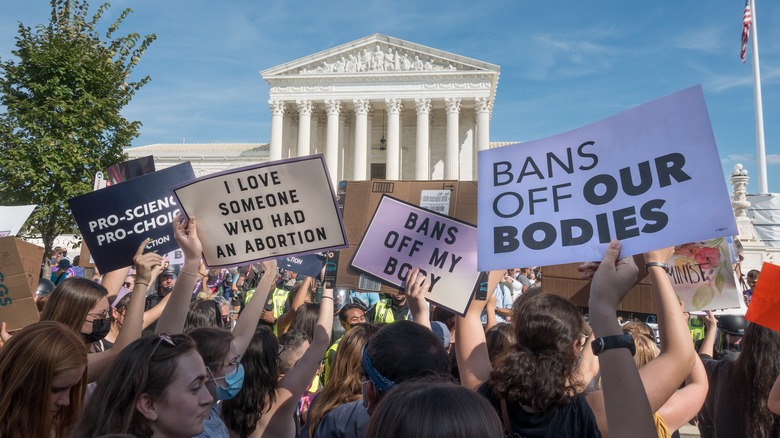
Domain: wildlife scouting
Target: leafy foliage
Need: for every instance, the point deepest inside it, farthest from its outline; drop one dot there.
(62, 100)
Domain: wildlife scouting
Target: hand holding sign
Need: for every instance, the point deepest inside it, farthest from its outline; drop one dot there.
(612, 280)
(417, 286)
(145, 263)
(185, 231)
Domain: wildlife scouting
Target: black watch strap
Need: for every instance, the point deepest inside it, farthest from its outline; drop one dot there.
(618, 341)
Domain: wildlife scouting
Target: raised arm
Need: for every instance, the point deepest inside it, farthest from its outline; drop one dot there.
(417, 286)
(490, 311)
(277, 421)
(133, 322)
(663, 375)
(471, 347)
(283, 322)
(247, 322)
(623, 403)
(185, 231)
(711, 327)
(686, 402)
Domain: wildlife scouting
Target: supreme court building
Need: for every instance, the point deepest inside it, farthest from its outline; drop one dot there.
(376, 108)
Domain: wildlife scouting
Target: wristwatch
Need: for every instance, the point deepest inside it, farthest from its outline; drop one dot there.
(618, 341)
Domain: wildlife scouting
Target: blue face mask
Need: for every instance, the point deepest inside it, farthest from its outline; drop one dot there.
(234, 382)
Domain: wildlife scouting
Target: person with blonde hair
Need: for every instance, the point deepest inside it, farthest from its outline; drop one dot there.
(345, 382)
(43, 374)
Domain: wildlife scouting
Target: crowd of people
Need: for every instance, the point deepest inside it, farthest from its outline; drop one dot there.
(156, 350)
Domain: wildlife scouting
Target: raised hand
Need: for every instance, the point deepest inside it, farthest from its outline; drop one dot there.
(185, 231)
(146, 263)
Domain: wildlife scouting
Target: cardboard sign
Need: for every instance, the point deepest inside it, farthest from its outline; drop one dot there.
(268, 210)
(764, 308)
(116, 219)
(308, 265)
(359, 200)
(20, 268)
(402, 237)
(12, 219)
(702, 275)
(649, 177)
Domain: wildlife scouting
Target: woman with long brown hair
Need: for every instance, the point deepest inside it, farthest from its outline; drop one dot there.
(345, 381)
(43, 374)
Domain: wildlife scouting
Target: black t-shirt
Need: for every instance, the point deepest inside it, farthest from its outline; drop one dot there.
(721, 414)
(574, 419)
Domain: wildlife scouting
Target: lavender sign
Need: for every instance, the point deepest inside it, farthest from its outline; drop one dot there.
(402, 237)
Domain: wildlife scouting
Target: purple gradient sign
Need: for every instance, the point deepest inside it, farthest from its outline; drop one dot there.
(402, 236)
(649, 177)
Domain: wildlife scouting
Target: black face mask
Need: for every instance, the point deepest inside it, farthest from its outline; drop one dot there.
(100, 328)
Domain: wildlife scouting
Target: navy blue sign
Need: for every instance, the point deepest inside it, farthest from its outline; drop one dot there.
(116, 219)
(308, 265)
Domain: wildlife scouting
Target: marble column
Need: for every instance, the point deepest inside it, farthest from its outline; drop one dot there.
(277, 122)
(421, 168)
(304, 127)
(394, 108)
(452, 153)
(360, 154)
(333, 108)
(483, 105)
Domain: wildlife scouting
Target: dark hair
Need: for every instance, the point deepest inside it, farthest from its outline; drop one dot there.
(427, 409)
(242, 412)
(753, 274)
(289, 343)
(538, 371)
(213, 344)
(203, 313)
(531, 292)
(147, 366)
(406, 350)
(499, 339)
(305, 319)
(348, 307)
(758, 366)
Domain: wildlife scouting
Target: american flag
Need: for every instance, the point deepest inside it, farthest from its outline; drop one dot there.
(747, 20)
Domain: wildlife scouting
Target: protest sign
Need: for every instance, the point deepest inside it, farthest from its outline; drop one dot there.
(764, 308)
(12, 219)
(702, 275)
(308, 265)
(268, 210)
(402, 236)
(116, 219)
(20, 268)
(649, 177)
(130, 169)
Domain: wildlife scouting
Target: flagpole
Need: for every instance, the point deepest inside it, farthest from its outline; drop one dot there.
(763, 187)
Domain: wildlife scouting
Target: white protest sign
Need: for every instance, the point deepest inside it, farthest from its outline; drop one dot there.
(702, 275)
(403, 236)
(12, 219)
(268, 210)
(649, 177)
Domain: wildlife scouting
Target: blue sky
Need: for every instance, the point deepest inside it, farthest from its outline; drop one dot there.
(564, 64)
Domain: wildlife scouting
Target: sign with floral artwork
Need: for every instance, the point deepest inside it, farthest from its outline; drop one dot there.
(703, 277)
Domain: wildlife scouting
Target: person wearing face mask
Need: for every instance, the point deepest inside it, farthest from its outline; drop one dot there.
(163, 286)
(82, 305)
(349, 316)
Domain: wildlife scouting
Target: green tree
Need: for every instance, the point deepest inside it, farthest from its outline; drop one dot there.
(62, 100)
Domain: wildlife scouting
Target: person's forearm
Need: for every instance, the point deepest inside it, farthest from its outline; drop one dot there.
(132, 325)
(175, 312)
(673, 331)
(321, 338)
(708, 344)
(774, 398)
(247, 323)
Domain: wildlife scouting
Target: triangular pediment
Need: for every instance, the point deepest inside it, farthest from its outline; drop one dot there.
(379, 54)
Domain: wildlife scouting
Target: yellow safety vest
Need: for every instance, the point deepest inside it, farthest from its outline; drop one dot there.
(330, 357)
(279, 299)
(696, 326)
(383, 312)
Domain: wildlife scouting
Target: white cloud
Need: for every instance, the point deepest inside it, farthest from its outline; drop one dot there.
(773, 159)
